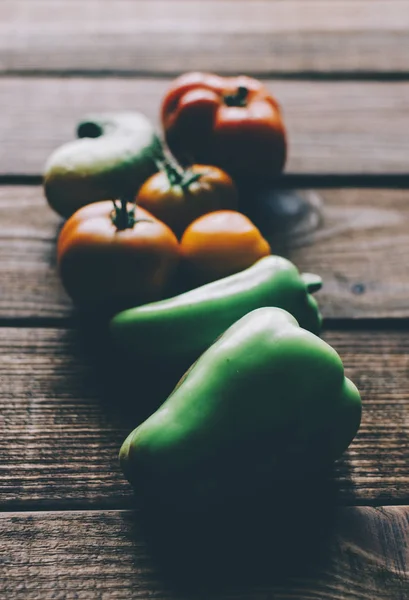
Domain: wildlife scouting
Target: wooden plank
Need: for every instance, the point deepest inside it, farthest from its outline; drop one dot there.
(334, 127)
(28, 230)
(65, 411)
(360, 250)
(159, 36)
(83, 555)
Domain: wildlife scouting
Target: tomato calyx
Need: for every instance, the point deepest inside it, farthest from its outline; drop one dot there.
(124, 217)
(177, 176)
(239, 98)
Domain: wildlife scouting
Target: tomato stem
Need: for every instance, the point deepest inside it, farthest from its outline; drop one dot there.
(122, 217)
(177, 176)
(237, 99)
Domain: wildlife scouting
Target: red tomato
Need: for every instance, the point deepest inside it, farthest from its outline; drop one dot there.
(231, 122)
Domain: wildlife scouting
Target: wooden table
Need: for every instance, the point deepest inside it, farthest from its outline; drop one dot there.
(68, 528)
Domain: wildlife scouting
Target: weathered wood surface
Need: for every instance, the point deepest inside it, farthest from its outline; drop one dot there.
(333, 127)
(360, 554)
(163, 37)
(360, 250)
(65, 411)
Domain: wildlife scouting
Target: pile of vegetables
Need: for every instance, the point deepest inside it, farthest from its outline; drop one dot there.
(156, 240)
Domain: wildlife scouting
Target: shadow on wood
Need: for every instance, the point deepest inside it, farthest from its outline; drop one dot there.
(284, 216)
(129, 390)
(258, 539)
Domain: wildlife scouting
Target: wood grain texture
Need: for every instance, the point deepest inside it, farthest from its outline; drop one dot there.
(360, 250)
(28, 230)
(159, 36)
(65, 412)
(333, 127)
(362, 555)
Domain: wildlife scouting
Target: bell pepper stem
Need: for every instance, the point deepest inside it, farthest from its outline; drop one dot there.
(312, 281)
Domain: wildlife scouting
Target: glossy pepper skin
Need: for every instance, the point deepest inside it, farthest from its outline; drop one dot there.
(182, 327)
(231, 122)
(267, 397)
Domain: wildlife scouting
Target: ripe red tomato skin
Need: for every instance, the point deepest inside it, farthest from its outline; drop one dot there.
(201, 126)
(104, 269)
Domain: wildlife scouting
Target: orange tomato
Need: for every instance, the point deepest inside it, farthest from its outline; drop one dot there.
(221, 243)
(177, 196)
(110, 259)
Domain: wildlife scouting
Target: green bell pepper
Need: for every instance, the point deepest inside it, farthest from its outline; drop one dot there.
(268, 397)
(182, 327)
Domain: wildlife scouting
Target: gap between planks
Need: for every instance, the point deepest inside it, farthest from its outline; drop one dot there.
(330, 324)
(322, 76)
(286, 181)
